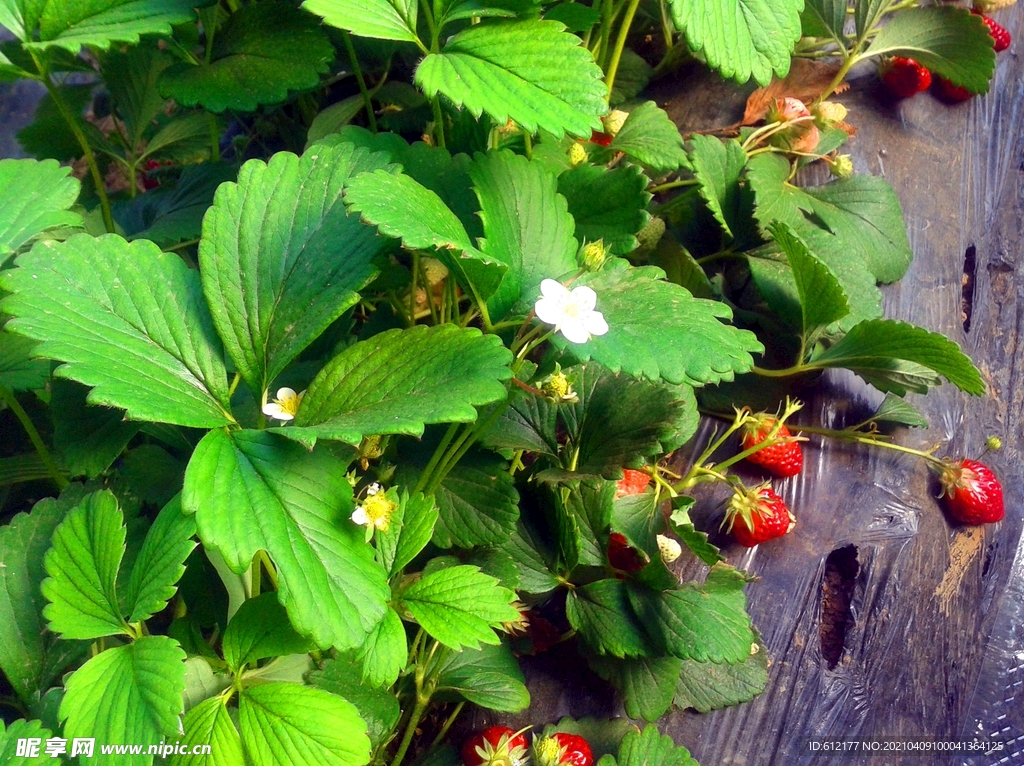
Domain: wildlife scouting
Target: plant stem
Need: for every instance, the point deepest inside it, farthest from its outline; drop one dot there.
(435, 459)
(410, 729)
(435, 103)
(214, 137)
(448, 723)
(672, 185)
(620, 43)
(44, 454)
(367, 103)
(601, 49)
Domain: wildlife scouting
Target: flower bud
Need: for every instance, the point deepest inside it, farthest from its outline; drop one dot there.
(593, 255)
(994, 443)
(841, 166)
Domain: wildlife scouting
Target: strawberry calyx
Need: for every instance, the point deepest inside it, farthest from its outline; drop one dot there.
(561, 749)
(498, 746)
(745, 503)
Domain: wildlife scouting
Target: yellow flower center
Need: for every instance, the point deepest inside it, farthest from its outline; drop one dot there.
(290, 402)
(378, 510)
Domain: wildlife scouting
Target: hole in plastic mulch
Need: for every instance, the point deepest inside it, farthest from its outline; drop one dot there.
(841, 568)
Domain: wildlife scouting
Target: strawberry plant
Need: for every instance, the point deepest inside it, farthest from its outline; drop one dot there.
(351, 360)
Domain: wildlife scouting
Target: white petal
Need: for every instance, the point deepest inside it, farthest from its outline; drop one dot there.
(552, 288)
(285, 393)
(575, 332)
(359, 516)
(276, 411)
(585, 298)
(549, 310)
(595, 324)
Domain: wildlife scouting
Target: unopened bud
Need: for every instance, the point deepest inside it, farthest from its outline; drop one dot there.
(577, 154)
(841, 166)
(994, 443)
(594, 255)
(557, 387)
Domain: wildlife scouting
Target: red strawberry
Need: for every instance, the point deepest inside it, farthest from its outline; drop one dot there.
(562, 749)
(951, 92)
(599, 138)
(623, 556)
(758, 515)
(973, 493)
(495, 746)
(905, 77)
(632, 483)
(781, 459)
(1000, 37)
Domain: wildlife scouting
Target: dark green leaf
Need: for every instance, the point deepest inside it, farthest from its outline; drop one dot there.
(378, 707)
(535, 575)
(528, 424)
(260, 629)
(477, 502)
(88, 439)
(632, 79)
(489, 677)
(649, 137)
(132, 76)
(609, 205)
(576, 16)
(18, 370)
(707, 686)
(647, 684)
(589, 503)
(97, 24)
(152, 473)
(693, 538)
(825, 18)
(893, 409)
(333, 118)
(160, 563)
(718, 166)
(601, 613)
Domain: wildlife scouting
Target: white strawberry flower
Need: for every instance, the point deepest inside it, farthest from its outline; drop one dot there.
(285, 405)
(571, 312)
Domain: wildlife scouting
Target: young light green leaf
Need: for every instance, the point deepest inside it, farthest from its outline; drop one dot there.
(97, 24)
(601, 613)
(872, 347)
(533, 72)
(19, 371)
(253, 490)
(947, 40)
(408, 532)
(862, 212)
(477, 503)
(260, 629)
(160, 563)
(707, 623)
(650, 748)
(385, 651)
(333, 118)
(577, 17)
(401, 207)
(718, 166)
(82, 564)
(88, 439)
(209, 723)
(822, 300)
(127, 319)
(489, 677)
(29, 655)
(281, 258)
(893, 409)
(459, 606)
(263, 51)
(649, 137)
(707, 686)
(35, 197)
(526, 226)
(381, 19)
(201, 682)
(610, 205)
(10, 739)
(658, 330)
(378, 707)
(130, 693)
(301, 726)
(749, 38)
(400, 380)
(646, 684)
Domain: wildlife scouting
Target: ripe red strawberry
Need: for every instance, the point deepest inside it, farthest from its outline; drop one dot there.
(758, 515)
(951, 92)
(973, 493)
(1000, 36)
(599, 138)
(562, 749)
(782, 459)
(495, 746)
(632, 483)
(623, 556)
(905, 77)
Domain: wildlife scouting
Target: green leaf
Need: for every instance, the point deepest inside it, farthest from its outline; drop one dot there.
(744, 39)
(526, 226)
(408, 532)
(18, 370)
(377, 707)
(302, 726)
(871, 348)
(127, 319)
(576, 16)
(382, 19)
(128, 694)
(281, 258)
(649, 748)
(822, 300)
(693, 538)
(535, 573)
(30, 656)
(399, 381)
(401, 207)
(385, 651)
(252, 490)
(36, 197)
(718, 166)
(707, 686)
(88, 439)
(459, 606)
(161, 562)
(260, 629)
(263, 51)
(183, 138)
(82, 564)
(533, 72)
(489, 677)
(589, 503)
(609, 205)
(497, 563)
(209, 723)
(893, 409)
(827, 16)
(646, 684)
(201, 682)
(333, 118)
(152, 473)
(10, 739)
(132, 76)
(949, 41)
(862, 212)
(600, 611)
(97, 23)
(707, 623)
(633, 77)
(649, 137)
(477, 502)
(659, 330)
(528, 423)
